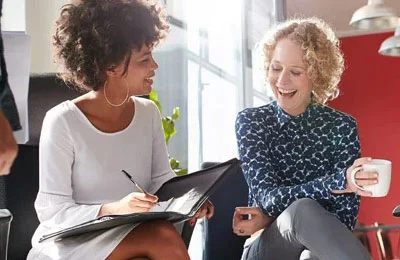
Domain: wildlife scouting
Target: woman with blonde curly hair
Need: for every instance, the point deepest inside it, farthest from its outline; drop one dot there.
(297, 153)
(105, 47)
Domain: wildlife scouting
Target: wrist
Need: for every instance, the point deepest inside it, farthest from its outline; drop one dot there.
(107, 209)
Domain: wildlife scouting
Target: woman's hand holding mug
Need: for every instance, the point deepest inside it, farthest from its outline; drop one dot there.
(368, 177)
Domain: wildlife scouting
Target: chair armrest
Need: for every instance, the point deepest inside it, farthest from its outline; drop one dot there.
(396, 211)
(5, 220)
(5, 216)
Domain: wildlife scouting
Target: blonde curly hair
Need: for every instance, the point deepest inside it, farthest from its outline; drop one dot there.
(322, 55)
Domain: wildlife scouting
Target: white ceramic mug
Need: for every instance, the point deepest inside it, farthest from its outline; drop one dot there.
(384, 169)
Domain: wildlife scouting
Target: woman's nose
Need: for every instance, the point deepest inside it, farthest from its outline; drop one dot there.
(154, 64)
(283, 78)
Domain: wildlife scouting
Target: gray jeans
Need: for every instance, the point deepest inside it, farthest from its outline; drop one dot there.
(305, 230)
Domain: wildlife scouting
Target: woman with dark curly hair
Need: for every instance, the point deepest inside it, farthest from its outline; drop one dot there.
(297, 154)
(105, 47)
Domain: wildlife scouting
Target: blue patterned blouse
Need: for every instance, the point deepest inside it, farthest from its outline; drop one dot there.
(286, 158)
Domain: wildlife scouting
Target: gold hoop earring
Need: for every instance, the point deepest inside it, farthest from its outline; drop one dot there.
(109, 102)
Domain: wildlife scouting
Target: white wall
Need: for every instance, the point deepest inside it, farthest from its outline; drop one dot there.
(40, 17)
(13, 18)
(17, 53)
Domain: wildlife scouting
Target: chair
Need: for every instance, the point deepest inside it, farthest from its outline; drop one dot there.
(21, 188)
(220, 241)
(22, 184)
(5, 220)
(385, 247)
(186, 233)
(362, 235)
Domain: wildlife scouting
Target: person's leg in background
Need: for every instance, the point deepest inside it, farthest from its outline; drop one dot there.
(9, 118)
(7, 102)
(9, 121)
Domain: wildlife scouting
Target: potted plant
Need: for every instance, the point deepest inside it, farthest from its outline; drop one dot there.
(168, 123)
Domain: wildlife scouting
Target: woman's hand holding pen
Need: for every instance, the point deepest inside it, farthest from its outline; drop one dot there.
(134, 202)
(138, 202)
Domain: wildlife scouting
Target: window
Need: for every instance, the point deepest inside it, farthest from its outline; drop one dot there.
(207, 67)
(210, 69)
(215, 77)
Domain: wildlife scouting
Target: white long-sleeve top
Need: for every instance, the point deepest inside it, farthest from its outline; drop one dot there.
(80, 169)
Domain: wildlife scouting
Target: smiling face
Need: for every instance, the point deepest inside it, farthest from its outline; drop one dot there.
(287, 76)
(140, 72)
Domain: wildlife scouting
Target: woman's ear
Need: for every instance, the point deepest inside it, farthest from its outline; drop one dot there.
(110, 72)
(114, 71)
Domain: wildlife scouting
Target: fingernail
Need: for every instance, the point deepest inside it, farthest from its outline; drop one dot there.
(192, 223)
(369, 159)
(237, 209)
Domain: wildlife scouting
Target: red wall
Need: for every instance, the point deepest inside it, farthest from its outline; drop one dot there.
(370, 91)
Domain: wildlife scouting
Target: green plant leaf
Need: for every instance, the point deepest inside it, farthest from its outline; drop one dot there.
(175, 114)
(154, 97)
(180, 172)
(174, 163)
(169, 129)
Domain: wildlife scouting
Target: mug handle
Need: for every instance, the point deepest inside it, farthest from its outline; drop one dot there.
(353, 179)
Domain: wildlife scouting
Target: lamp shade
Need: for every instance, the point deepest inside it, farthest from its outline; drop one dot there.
(375, 15)
(391, 46)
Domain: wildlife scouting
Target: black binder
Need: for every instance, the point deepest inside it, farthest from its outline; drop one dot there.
(180, 198)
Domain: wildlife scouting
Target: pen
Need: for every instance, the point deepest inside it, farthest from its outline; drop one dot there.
(136, 184)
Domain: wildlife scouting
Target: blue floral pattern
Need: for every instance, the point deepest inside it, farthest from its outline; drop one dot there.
(286, 158)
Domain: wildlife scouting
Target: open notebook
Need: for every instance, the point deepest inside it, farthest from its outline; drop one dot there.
(179, 198)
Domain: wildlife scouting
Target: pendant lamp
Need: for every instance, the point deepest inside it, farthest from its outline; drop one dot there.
(391, 46)
(375, 15)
